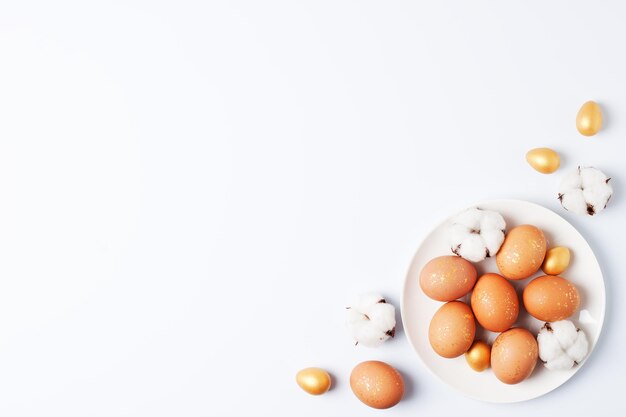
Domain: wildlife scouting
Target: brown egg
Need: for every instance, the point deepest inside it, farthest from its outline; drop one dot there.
(452, 329)
(495, 303)
(447, 278)
(478, 356)
(377, 384)
(514, 355)
(551, 298)
(522, 252)
(315, 381)
(557, 260)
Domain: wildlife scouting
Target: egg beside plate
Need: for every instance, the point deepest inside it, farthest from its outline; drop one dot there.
(584, 272)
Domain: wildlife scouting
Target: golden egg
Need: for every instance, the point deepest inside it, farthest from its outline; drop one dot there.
(556, 261)
(478, 356)
(589, 119)
(315, 381)
(544, 160)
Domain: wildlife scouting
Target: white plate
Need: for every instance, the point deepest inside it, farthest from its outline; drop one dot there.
(584, 272)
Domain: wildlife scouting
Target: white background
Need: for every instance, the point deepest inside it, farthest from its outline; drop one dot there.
(191, 192)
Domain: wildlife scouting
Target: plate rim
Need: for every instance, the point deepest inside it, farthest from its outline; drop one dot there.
(403, 299)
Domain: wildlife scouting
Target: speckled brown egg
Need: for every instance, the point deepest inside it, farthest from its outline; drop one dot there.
(495, 303)
(452, 329)
(377, 384)
(447, 278)
(514, 355)
(551, 298)
(522, 252)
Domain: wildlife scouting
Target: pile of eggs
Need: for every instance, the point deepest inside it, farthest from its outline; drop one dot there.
(494, 304)
(493, 301)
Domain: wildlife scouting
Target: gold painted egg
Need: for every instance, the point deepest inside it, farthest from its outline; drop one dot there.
(315, 381)
(589, 119)
(556, 261)
(544, 160)
(478, 356)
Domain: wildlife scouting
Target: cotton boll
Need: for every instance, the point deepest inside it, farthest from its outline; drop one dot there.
(469, 218)
(492, 220)
(371, 320)
(470, 245)
(572, 180)
(472, 248)
(585, 191)
(596, 189)
(561, 362)
(366, 301)
(382, 315)
(578, 350)
(493, 239)
(565, 332)
(549, 348)
(359, 328)
(591, 176)
(574, 201)
(561, 345)
(476, 234)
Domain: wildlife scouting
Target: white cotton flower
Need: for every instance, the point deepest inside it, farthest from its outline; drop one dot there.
(561, 345)
(476, 234)
(585, 191)
(371, 320)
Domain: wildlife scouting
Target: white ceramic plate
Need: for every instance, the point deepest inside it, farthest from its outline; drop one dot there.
(584, 272)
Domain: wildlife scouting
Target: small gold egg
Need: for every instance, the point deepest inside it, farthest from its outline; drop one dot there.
(556, 261)
(589, 119)
(544, 160)
(315, 381)
(478, 356)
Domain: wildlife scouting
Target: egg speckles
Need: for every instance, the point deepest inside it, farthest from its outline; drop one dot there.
(495, 303)
(514, 355)
(377, 384)
(551, 298)
(522, 252)
(447, 278)
(452, 329)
